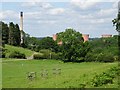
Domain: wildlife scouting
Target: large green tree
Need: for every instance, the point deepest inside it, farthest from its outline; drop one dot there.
(49, 43)
(14, 34)
(5, 32)
(73, 47)
(11, 33)
(17, 35)
(116, 23)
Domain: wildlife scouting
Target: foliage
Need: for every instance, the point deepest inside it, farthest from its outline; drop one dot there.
(17, 35)
(32, 43)
(38, 56)
(46, 54)
(105, 57)
(48, 43)
(11, 33)
(73, 47)
(105, 77)
(2, 48)
(14, 34)
(45, 43)
(103, 50)
(5, 32)
(17, 54)
(116, 22)
(2, 52)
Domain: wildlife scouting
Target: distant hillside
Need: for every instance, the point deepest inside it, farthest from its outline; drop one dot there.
(10, 49)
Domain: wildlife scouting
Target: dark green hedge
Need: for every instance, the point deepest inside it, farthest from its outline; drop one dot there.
(17, 54)
(47, 54)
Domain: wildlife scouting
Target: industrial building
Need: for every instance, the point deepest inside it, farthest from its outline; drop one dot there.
(85, 37)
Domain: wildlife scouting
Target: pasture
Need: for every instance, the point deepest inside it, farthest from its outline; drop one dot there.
(70, 75)
(10, 49)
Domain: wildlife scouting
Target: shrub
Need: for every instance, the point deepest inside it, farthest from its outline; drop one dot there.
(105, 77)
(38, 56)
(55, 55)
(47, 54)
(90, 57)
(105, 57)
(2, 52)
(17, 54)
(116, 58)
(99, 57)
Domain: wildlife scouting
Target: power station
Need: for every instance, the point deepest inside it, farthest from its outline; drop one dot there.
(21, 28)
(85, 36)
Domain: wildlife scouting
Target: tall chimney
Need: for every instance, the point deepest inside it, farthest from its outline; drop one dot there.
(21, 27)
(21, 21)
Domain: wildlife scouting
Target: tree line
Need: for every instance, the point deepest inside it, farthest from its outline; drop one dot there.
(10, 34)
(73, 48)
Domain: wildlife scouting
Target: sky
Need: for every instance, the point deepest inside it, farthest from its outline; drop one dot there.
(45, 18)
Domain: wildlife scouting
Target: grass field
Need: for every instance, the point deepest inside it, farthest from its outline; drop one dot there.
(72, 74)
(10, 49)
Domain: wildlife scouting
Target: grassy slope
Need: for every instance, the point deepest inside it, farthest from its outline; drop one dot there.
(10, 49)
(72, 74)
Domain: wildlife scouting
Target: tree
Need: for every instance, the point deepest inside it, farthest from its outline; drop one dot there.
(73, 46)
(11, 33)
(5, 32)
(14, 34)
(116, 23)
(49, 43)
(3, 38)
(31, 42)
(17, 35)
(26, 40)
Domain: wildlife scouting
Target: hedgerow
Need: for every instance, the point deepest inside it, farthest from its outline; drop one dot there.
(105, 77)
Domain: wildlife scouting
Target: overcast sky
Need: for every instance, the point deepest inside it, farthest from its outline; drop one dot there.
(47, 18)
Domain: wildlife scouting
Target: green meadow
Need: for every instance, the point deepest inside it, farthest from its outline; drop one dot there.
(72, 75)
(10, 49)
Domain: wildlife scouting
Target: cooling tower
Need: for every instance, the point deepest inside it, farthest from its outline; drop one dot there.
(85, 37)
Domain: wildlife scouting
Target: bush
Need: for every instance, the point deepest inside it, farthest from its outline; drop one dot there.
(116, 58)
(38, 56)
(2, 52)
(106, 57)
(90, 57)
(47, 54)
(17, 54)
(105, 77)
(99, 57)
(55, 55)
